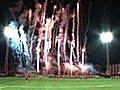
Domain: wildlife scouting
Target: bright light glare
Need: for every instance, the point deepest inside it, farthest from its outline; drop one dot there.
(106, 37)
(11, 32)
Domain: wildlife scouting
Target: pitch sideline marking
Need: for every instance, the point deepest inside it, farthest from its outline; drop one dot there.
(3, 87)
(103, 85)
(110, 85)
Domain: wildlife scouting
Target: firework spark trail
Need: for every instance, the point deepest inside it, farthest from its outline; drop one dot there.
(41, 37)
(63, 23)
(50, 26)
(56, 24)
(85, 35)
(22, 21)
(10, 33)
(14, 36)
(31, 40)
(73, 37)
(65, 39)
(38, 54)
(78, 32)
(35, 20)
(71, 62)
(30, 16)
(18, 42)
(46, 42)
(72, 44)
(83, 56)
(46, 28)
(61, 36)
(65, 36)
(44, 13)
(58, 55)
(57, 15)
(88, 23)
(23, 40)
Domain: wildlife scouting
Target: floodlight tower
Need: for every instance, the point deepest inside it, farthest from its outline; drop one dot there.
(107, 37)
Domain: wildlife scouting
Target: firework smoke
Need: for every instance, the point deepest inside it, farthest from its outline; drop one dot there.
(41, 35)
(18, 43)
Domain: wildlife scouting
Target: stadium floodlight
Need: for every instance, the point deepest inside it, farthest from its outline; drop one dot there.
(106, 37)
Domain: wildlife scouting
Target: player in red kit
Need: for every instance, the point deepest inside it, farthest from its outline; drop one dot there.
(84, 76)
(26, 75)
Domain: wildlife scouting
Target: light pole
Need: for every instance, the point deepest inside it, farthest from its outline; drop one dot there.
(106, 37)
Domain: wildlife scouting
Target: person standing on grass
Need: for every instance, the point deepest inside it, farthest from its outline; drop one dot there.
(26, 75)
(84, 76)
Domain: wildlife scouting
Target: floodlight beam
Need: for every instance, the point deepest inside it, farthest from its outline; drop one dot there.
(107, 37)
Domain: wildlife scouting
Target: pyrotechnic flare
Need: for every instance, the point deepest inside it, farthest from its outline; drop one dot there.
(46, 42)
(38, 55)
(65, 39)
(71, 62)
(58, 55)
(35, 21)
(44, 28)
(18, 44)
(85, 36)
(66, 35)
(78, 20)
(44, 13)
(50, 26)
(83, 56)
(72, 45)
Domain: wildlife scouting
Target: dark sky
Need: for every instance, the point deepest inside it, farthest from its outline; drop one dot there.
(105, 15)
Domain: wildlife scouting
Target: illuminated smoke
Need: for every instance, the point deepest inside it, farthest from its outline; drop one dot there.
(16, 9)
(87, 68)
(30, 16)
(18, 43)
(40, 36)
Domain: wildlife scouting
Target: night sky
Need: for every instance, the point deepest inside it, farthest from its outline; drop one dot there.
(105, 15)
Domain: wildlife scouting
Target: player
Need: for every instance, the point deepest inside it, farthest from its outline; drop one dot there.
(84, 76)
(26, 75)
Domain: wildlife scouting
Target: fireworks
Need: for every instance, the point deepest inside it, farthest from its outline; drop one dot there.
(47, 35)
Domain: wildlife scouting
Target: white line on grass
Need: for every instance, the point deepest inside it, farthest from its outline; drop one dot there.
(44, 86)
(109, 85)
(3, 87)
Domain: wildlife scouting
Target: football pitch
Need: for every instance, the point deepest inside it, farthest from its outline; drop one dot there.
(19, 83)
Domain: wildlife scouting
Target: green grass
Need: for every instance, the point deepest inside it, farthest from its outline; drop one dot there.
(19, 83)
